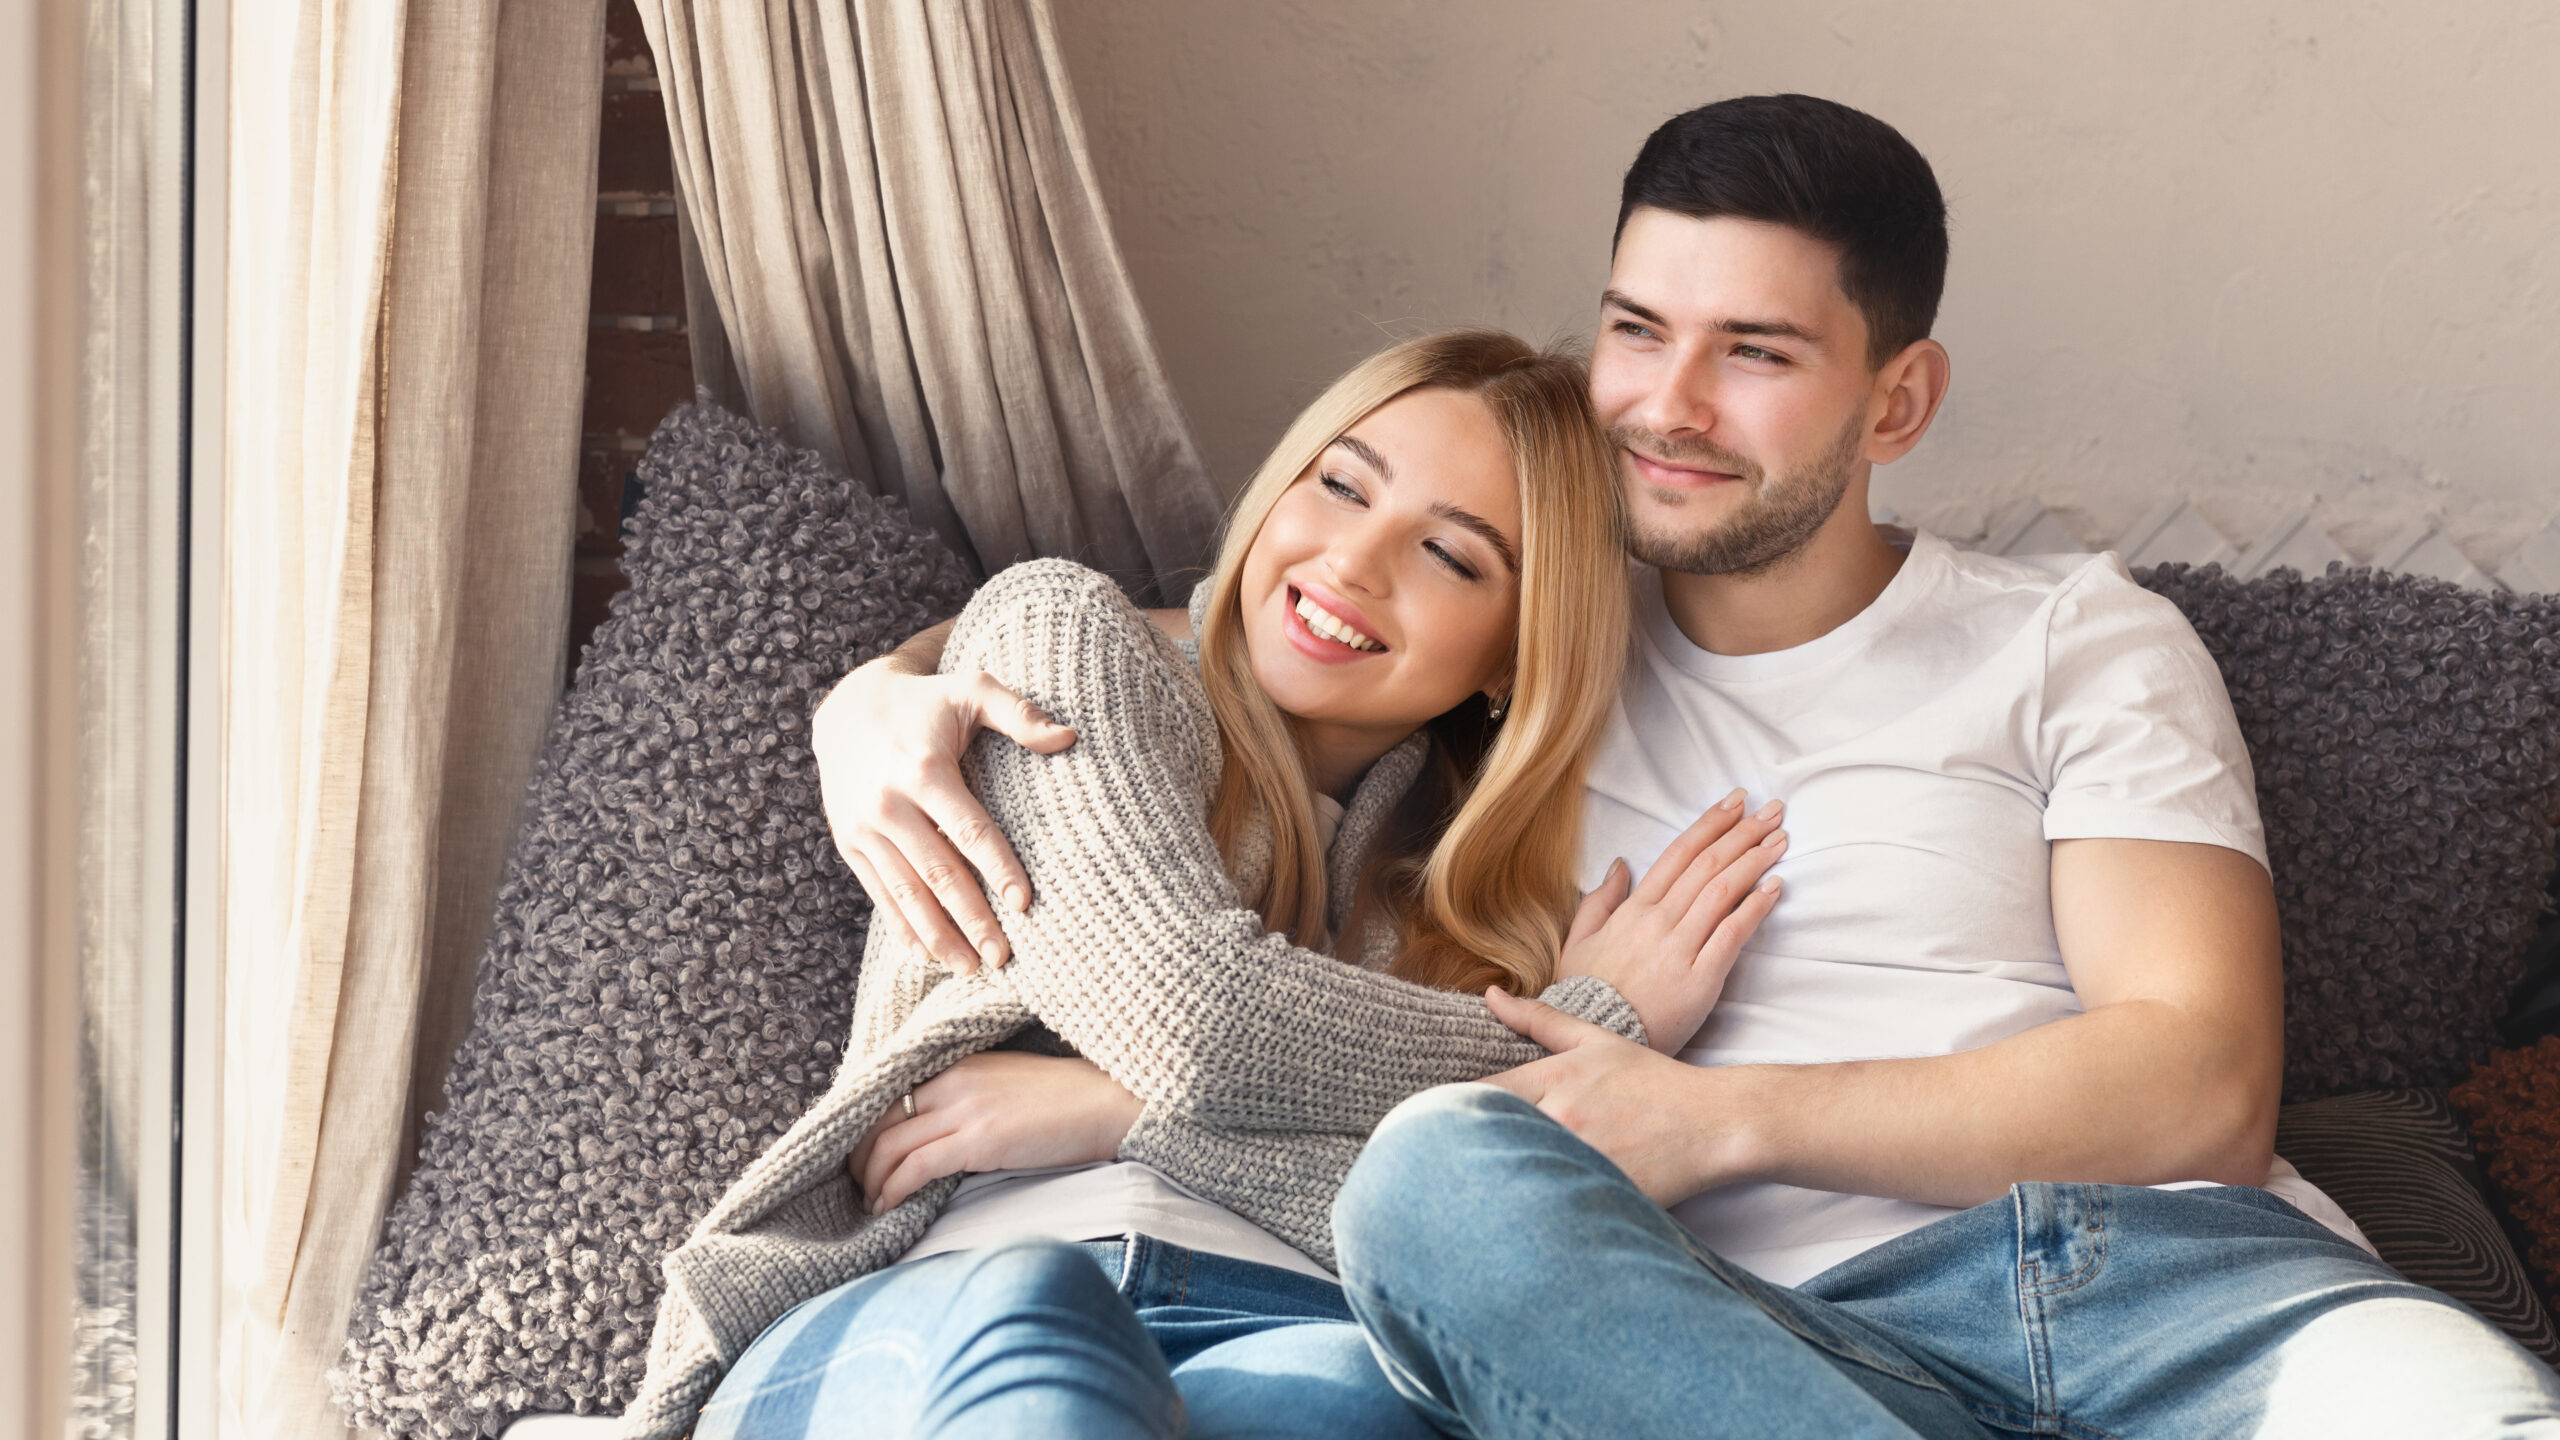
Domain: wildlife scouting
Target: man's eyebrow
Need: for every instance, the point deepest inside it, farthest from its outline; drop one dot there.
(1368, 452)
(1620, 299)
(1781, 329)
(1482, 529)
(1776, 329)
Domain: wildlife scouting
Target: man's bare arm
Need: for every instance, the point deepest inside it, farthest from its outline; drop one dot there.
(2172, 1073)
(922, 652)
(888, 740)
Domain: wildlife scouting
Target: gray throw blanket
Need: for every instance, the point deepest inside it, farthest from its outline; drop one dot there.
(1261, 1065)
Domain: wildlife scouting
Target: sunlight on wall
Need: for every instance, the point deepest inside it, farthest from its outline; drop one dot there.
(2272, 258)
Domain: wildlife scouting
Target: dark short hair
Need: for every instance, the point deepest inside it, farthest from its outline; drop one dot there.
(1839, 175)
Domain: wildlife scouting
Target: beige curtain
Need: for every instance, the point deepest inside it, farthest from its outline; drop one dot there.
(894, 215)
(411, 215)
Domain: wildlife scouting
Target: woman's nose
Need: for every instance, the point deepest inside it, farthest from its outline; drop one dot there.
(1359, 559)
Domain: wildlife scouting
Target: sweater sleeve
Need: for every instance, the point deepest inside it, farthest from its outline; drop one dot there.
(1137, 948)
(1281, 1180)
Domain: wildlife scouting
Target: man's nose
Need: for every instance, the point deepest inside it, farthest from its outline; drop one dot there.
(1683, 397)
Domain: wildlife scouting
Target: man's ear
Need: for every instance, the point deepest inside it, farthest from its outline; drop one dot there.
(1908, 391)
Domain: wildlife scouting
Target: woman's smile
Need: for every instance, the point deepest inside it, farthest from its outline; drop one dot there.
(1327, 629)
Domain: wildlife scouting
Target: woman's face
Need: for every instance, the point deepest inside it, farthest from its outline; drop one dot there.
(1383, 588)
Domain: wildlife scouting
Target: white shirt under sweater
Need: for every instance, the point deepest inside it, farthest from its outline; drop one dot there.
(1930, 750)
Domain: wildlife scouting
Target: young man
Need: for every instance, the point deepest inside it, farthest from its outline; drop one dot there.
(2029, 935)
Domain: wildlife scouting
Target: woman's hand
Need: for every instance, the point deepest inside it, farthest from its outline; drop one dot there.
(996, 1110)
(1667, 943)
(888, 740)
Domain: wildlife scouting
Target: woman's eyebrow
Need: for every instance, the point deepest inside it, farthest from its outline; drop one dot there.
(1367, 452)
(1481, 528)
(1463, 518)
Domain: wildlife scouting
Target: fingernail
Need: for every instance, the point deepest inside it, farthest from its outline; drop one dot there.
(1770, 884)
(1619, 864)
(991, 953)
(1770, 810)
(1015, 897)
(1777, 840)
(1732, 801)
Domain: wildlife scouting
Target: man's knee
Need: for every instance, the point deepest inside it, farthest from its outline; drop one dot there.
(1423, 1164)
(2393, 1366)
(1454, 1166)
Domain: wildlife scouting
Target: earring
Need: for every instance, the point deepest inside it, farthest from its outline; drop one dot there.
(1494, 710)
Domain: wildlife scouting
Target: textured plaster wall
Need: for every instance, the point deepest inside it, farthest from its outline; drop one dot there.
(2265, 254)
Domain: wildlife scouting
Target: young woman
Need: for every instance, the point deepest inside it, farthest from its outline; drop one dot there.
(1410, 641)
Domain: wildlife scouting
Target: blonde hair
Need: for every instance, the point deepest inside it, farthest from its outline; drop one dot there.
(1490, 900)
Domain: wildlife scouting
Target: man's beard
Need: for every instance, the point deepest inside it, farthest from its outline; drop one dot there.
(1774, 523)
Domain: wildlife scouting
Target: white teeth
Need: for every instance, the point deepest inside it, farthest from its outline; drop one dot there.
(1321, 621)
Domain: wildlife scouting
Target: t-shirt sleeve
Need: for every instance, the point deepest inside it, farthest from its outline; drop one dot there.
(2136, 730)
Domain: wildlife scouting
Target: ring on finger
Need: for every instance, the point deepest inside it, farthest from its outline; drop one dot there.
(909, 1100)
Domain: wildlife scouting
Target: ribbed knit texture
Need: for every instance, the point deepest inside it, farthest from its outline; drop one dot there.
(1261, 1064)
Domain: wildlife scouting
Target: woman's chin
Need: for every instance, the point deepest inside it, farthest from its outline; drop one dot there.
(1359, 694)
(1321, 694)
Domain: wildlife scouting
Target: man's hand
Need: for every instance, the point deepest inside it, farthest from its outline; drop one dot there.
(1641, 1109)
(888, 740)
(1667, 942)
(997, 1110)
(2172, 1073)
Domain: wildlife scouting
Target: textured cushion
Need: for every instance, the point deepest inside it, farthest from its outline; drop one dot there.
(2406, 735)
(2398, 1163)
(672, 963)
(2512, 1104)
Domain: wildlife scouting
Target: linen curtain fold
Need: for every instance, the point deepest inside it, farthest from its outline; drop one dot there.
(411, 216)
(894, 216)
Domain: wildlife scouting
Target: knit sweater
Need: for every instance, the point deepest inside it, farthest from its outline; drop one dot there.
(1261, 1066)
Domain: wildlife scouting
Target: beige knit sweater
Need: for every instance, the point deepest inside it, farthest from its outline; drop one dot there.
(1261, 1065)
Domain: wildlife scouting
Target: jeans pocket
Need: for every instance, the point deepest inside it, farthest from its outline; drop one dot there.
(2062, 1236)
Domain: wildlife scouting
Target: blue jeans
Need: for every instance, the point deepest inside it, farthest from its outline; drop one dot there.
(1127, 1337)
(1515, 1283)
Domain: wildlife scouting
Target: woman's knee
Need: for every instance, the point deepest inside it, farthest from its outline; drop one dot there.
(1038, 1274)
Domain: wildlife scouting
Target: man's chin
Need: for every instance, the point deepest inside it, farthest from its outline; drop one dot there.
(1695, 540)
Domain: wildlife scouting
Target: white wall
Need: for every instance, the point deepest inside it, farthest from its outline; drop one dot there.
(2266, 254)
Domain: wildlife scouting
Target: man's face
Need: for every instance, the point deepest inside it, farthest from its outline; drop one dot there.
(1732, 373)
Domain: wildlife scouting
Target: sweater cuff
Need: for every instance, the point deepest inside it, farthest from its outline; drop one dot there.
(1588, 997)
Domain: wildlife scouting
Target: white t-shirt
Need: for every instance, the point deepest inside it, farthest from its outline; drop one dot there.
(1929, 751)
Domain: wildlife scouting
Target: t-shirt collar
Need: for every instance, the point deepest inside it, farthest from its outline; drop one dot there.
(1920, 573)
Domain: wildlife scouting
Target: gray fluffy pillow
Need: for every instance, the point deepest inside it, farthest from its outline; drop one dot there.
(2406, 735)
(673, 959)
